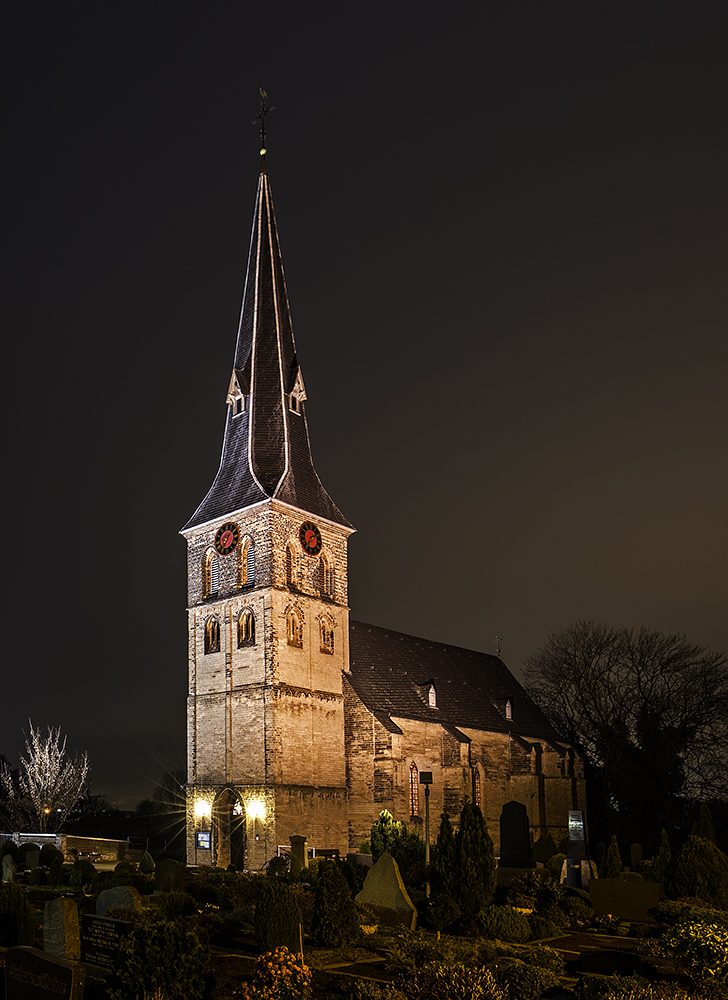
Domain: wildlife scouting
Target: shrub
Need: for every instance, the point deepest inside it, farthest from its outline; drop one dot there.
(412, 949)
(475, 859)
(631, 988)
(443, 911)
(11, 848)
(699, 869)
(452, 982)
(367, 990)
(528, 888)
(24, 850)
(159, 958)
(544, 848)
(146, 865)
(546, 958)
(365, 847)
(555, 864)
(81, 873)
(335, 922)
(656, 871)
(176, 904)
(527, 982)
(16, 917)
(504, 924)
(702, 948)
(37, 877)
(541, 927)
(279, 975)
(277, 917)
(49, 855)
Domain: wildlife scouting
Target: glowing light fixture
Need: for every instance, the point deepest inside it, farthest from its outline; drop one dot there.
(203, 809)
(256, 809)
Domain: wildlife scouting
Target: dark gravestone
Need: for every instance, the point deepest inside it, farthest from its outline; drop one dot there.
(169, 875)
(101, 937)
(515, 841)
(30, 974)
(61, 932)
(635, 855)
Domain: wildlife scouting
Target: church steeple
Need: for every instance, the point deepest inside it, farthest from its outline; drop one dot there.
(266, 452)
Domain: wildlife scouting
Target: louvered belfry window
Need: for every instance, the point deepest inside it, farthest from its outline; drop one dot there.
(214, 576)
(414, 790)
(250, 565)
(210, 575)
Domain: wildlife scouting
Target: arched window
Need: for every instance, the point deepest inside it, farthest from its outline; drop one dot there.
(212, 635)
(432, 697)
(246, 628)
(327, 635)
(291, 566)
(414, 790)
(477, 790)
(246, 563)
(325, 576)
(210, 574)
(295, 629)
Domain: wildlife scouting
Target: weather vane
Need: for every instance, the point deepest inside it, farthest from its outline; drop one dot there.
(497, 645)
(262, 115)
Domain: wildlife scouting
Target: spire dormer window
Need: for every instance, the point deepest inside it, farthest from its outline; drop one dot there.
(235, 395)
(297, 395)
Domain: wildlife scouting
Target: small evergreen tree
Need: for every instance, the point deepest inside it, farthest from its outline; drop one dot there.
(544, 848)
(335, 921)
(277, 917)
(704, 826)
(385, 831)
(661, 860)
(476, 866)
(612, 864)
(146, 865)
(444, 857)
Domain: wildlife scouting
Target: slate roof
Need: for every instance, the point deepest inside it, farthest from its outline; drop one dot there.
(266, 451)
(391, 672)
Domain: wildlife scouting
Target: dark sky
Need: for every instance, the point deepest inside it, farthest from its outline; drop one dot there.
(504, 232)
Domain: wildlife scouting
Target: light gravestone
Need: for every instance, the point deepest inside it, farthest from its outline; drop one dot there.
(30, 974)
(577, 836)
(384, 892)
(61, 930)
(9, 869)
(120, 895)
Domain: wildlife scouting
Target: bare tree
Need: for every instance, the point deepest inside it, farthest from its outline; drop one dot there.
(48, 784)
(648, 710)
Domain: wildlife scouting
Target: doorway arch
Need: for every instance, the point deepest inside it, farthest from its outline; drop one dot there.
(229, 830)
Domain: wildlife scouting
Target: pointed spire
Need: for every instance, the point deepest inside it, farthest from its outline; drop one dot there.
(266, 452)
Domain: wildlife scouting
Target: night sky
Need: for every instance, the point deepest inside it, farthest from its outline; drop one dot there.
(504, 233)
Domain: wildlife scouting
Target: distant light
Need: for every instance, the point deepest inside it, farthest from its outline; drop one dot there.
(256, 809)
(263, 151)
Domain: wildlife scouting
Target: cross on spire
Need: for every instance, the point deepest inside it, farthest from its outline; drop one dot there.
(497, 645)
(262, 115)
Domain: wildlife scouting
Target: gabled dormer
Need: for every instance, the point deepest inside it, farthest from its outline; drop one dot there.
(297, 394)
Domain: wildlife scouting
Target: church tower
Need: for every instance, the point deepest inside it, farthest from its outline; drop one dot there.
(268, 609)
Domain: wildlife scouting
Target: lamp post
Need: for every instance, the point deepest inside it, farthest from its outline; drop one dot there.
(426, 780)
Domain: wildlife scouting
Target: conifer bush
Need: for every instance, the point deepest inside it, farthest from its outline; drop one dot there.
(505, 924)
(702, 948)
(611, 864)
(452, 982)
(146, 865)
(699, 869)
(335, 922)
(526, 981)
(159, 958)
(16, 917)
(277, 917)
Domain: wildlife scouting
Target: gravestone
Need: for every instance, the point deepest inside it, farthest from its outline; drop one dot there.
(9, 869)
(515, 840)
(384, 892)
(120, 895)
(626, 898)
(30, 974)
(61, 932)
(635, 855)
(101, 937)
(169, 875)
(577, 835)
(299, 854)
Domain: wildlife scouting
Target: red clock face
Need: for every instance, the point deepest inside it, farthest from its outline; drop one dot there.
(310, 538)
(227, 538)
